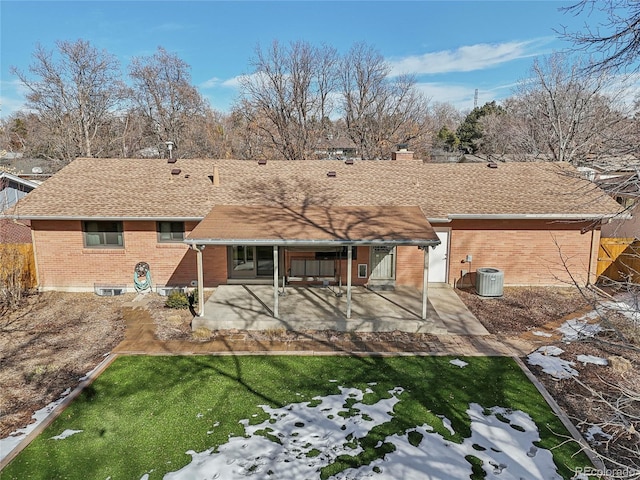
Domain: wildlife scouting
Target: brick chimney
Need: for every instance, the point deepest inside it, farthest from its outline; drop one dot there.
(402, 153)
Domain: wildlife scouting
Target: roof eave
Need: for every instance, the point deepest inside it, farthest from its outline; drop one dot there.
(309, 243)
(534, 216)
(104, 218)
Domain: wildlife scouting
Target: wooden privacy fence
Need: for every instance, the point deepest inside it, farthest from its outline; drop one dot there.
(619, 260)
(17, 264)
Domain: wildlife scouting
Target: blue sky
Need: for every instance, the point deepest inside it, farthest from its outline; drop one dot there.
(453, 47)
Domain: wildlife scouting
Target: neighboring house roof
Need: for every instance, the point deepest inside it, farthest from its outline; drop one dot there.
(146, 188)
(626, 184)
(12, 188)
(26, 166)
(17, 179)
(308, 225)
(335, 143)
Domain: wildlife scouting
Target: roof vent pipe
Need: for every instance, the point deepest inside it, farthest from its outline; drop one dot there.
(216, 176)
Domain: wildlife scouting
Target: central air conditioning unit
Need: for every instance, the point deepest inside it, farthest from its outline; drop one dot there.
(489, 282)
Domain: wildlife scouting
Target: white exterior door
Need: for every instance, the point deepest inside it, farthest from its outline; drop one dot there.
(438, 259)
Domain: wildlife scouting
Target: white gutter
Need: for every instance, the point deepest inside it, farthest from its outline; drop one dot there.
(306, 243)
(534, 216)
(100, 219)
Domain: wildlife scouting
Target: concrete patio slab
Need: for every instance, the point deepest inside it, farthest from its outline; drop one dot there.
(249, 307)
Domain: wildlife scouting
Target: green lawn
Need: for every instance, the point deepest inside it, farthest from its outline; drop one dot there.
(143, 413)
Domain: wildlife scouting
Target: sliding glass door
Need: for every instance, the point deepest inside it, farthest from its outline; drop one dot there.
(250, 262)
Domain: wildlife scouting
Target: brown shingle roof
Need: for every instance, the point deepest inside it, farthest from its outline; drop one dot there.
(309, 224)
(145, 188)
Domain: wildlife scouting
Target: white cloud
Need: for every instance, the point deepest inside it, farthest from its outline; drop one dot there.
(464, 59)
(210, 83)
(10, 105)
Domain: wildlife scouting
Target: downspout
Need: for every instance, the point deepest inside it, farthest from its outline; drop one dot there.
(425, 281)
(593, 270)
(35, 258)
(276, 313)
(349, 260)
(200, 286)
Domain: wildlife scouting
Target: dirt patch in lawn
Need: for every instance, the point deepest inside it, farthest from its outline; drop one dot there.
(48, 344)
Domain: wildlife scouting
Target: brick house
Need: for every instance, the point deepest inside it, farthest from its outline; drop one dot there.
(301, 221)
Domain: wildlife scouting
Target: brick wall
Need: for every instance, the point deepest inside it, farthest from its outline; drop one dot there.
(63, 262)
(529, 252)
(409, 266)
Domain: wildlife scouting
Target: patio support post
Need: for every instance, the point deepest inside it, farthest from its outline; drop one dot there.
(275, 281)
(349, 258)
(200, 286)
(425, 281)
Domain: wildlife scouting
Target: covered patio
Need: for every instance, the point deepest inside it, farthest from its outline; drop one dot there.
(286, 227)
(248, 307)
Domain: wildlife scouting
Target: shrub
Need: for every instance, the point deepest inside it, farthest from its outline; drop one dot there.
(177, 300)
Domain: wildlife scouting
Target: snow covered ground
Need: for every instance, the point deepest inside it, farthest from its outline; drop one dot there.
(9, 443)
(300, 439)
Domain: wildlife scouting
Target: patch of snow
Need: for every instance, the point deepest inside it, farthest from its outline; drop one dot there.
(297, 433)
(552, 365)
(632, 312)
(584, 359)
(299, 440)
(9, 443)
(458, 363)
(592, 431)
(578, 327)
(550, 350)
(542, 334)
(503, 450)
(65, 434)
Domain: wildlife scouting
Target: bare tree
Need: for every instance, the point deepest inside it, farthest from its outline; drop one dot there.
(290, 90)
(377, 109)
(616, 40)
(163, 92)
(73, 90)
(566, 114)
